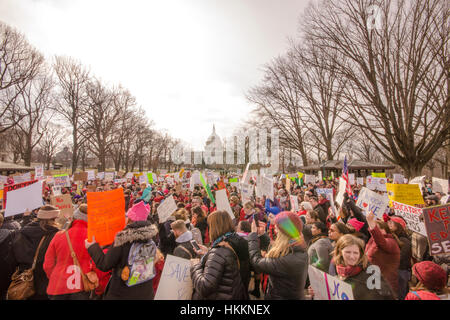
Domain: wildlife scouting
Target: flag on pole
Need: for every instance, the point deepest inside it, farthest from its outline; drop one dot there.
(207, 188)
(348, 189)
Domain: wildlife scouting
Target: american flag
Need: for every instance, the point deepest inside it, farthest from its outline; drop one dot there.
(348, 189)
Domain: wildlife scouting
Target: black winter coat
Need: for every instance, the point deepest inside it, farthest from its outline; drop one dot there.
(7, 262)
(216, 276)
(24, 248)
(287, 274)
(185, 250)
(240, 246)
(117, 258)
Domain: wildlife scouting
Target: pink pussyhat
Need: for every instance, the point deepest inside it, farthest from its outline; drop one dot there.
(139, 212)
(356, 224)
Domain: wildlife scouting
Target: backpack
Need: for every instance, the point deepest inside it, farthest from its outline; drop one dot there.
(141, 263)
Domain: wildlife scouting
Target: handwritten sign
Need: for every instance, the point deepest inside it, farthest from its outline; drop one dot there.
(223, 203)
(437, 222)
(411, 215)
(13, 187)
(267, 187)
(360, 181)
(80, 176)
(64, 204)
(309, 178)
(294, 203)
(22, 177)
(351, 179)
(56, 190)
(91, 175)
(440, 185)
(109, 176)
(166, 209)
(372, 201)
(327, 287)
(175, 282)
(405, 193)
(246, 192)
(399, 178)
(28, 197)
(340, 195)
(106, 215)
(38, 171)
(61, 180)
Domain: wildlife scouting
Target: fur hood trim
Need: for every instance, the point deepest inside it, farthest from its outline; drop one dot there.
(135, 234)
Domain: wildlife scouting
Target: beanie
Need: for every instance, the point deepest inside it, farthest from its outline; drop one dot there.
(430, 274)
(289, 224)
(139, 212)
(48, 212)
(399, 221)
(81, 213)
(356, 224)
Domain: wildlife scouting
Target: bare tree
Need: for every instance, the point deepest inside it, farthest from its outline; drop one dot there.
(51, 142)
(397, 72)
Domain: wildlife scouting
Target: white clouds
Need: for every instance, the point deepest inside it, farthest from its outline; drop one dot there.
(188, 62)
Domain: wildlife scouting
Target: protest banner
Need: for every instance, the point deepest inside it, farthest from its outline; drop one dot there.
(28, 197)
(166, 209)
(420, 181)
(294, 203)
(399, 178)
(13, 187)
(61, 180)
(64, 203)
(175, 282)
(223, 203)
(440, 185)
(106, 215)
(91, 175)
(372, 201)
(405, 193)
(80, 176)
(1, 193)
(340, 195)
(327, 287)
(38, 171)
(360, 181)
(437, 223)
(411, 215)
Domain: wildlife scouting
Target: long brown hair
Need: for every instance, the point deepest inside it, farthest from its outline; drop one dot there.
(219, 223)
(384, 226)
(349, 240)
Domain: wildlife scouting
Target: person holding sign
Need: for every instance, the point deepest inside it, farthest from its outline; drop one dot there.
(383, 250)
(286, 263)
(132, 257)
(217, 275)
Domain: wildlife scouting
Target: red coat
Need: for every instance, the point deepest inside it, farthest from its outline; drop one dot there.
(383, 251)
(58, 264)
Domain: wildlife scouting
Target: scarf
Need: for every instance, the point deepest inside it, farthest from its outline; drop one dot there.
(319, 236)
(348, 271)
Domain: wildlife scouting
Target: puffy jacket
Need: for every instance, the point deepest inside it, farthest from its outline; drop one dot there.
(319, 253)
(240, 246)
(271, 209)
(7, 261)
(117, 258)
(217, 276)
(24, 248)
(59, 265)
(287, 274)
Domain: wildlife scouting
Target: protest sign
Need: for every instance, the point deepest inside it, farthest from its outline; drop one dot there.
(411, 215)
(319, 173)
(360, 181)
(370, 184)
(351, 179)
(327, 287)
(166, 208)
(13, 187)
(129, 175)
(106, 215)
(56, 190)
(22, 178)
(22, 199)
(340, 195)
(294, 203)
(246, 192)
(440, 185)
(91, 175)
(437, 223)
(405, 193)
(62, 180)
(38, 171)
(223, 203)
(120, 180)
(80, 176)
(3, 179)
(379, 183)
(378, 175)
(309, 178)
(288, 185)
(399, 178)
(372, 201)
(246, 177)
(109, 176)
(1, 192)
(175, 282)
(267, 187)
(64, 203)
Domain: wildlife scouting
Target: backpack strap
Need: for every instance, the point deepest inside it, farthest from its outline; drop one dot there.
(416, 294)
(182, 247)
(73, 254)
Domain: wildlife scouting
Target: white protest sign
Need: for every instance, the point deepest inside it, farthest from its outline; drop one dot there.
(194, 180)
(294, 203)
(166, 208)
(246, 177)
(91, 175)
(351, 179)
(29, 197)
(223, 203)
(129, 175)
(109, 176)
(3, 179)
(440, 185)
(38, 171)
(360, 181)
(267, 187)
(143, 179)
(62, 181)
(327, 287)
(411, 215)
(101, 175)
(175, 282)
(246, 192)
(309, 178)
(372, 201)
(370, 184)
(22, 178)
(399, 178)
(320, 176)
(340, 195)
(56, 190)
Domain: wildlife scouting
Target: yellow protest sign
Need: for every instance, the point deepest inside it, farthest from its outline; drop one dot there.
(300, 175)
(405, 193)
(378, 174)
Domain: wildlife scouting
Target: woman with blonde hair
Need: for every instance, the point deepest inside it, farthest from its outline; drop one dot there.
(352, 266)
(286, 263)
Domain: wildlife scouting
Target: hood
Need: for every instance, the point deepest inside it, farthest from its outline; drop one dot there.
(137, 231)
(4, 233)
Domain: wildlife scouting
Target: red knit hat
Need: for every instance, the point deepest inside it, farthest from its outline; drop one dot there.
(289, 223)
(430, 274)
(399, 221)
(355, 223)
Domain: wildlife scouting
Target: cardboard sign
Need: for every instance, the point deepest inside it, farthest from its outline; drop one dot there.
(405, 193)
(175, 282)
(437, 222)
(80, 176)
(440, 185)
(13, 187)
(166, 209)
(22, 199)
(106, 215)
(61, 180)
(64, 203)
(372, 201)
(411, 215)
(223, 203)
(327, 287)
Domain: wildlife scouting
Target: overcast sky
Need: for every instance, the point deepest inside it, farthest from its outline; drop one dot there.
(188, 62)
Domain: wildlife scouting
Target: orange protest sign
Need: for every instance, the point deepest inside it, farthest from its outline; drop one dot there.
(106, 215)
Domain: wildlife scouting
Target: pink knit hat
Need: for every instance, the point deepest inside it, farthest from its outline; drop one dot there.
(139, 212)
(356, 224)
